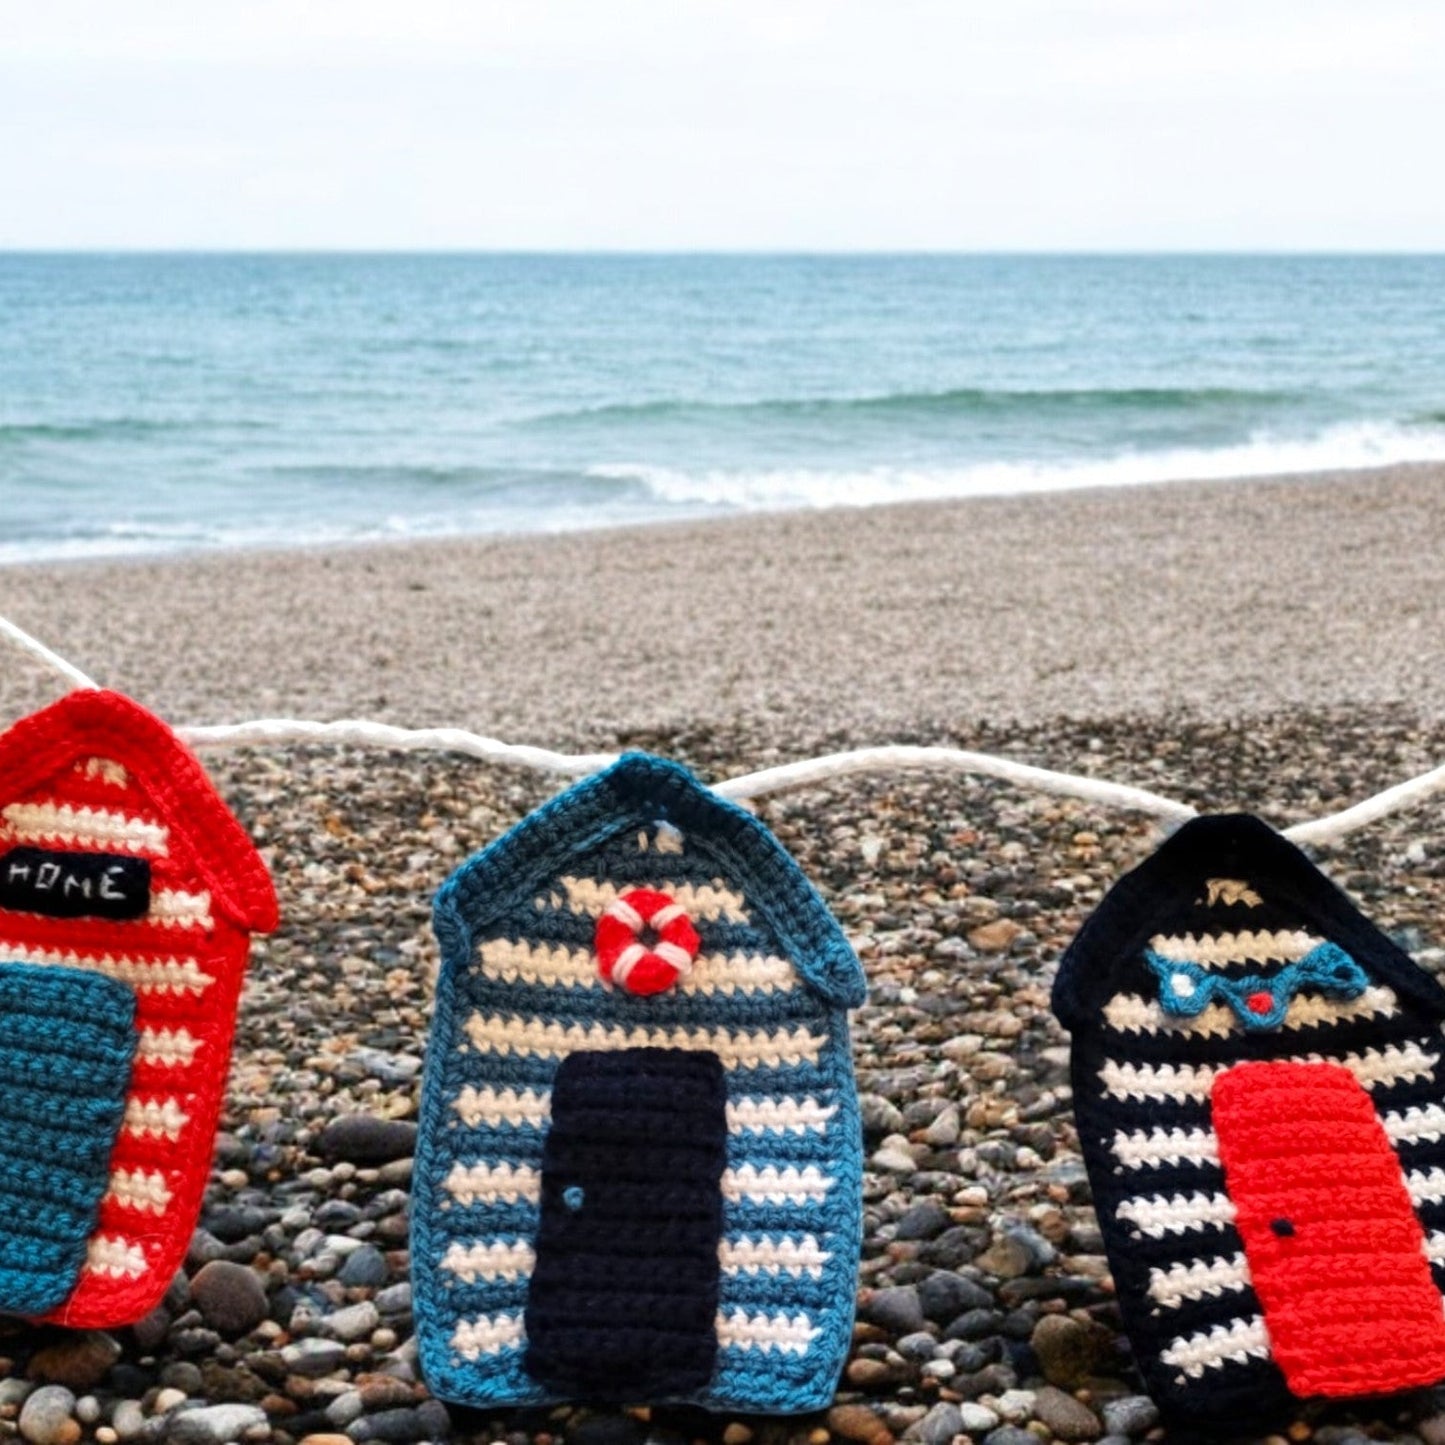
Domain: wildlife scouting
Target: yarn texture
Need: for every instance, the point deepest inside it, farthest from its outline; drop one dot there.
(130, 896)
(638, 1196)
(1258, 1088)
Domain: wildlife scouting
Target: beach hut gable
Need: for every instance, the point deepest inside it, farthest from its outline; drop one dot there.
(1260, 1102)
(639, 1170)
(128, 894)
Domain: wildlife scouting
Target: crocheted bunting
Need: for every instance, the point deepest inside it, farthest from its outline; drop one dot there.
(639, 1166)
(1260, 1104)
(128, 894)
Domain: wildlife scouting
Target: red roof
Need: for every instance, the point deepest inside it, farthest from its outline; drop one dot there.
(95, 723)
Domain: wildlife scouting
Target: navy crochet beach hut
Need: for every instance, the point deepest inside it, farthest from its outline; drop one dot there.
(1258, 1083)
(638, 1176)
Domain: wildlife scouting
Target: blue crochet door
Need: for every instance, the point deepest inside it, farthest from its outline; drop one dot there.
(67, 1040)
(623, 1300)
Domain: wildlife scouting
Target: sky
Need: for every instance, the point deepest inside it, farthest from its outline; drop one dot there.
(723, 124)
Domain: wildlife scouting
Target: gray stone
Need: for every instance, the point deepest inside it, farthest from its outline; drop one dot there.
(938, 1426)
(917, 1346)
(128, 1420)
(45, 1418)
(365, 1139)
(1138, 1414)
(922, 1221)
(345, 1408)
(365, 1268)
(943, 1296)
(1068, 1418)
(395, 1299)
(896, 1308)
(352, 1323)
(977, 1419)
(312, 1358)
(1010, 1435)
(230, 1297)
(214, 1424)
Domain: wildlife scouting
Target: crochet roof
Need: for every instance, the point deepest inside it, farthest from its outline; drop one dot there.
(95, 722)
(1234, 844)
(636, 791)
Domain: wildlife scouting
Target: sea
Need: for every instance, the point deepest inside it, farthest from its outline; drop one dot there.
(155, 403)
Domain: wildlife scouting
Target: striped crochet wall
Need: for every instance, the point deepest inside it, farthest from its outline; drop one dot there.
(766, 996)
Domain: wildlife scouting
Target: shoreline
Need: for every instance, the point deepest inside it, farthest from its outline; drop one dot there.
(1208, 598)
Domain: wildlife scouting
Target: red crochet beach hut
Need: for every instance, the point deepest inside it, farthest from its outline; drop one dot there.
(128, 895)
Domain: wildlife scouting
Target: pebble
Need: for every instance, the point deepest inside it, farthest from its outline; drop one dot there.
(366, 1139)
(1138, 1414)
(938, 1426)
(897, 1309)
(365, 1268)
(943, 1296)
(860, 1424)
(976, 1419)
(922, 1221)
(312, 1358)
(128, 1420)
(214, 1424)
(79, 1360)
(353, 1322)
(1068, 1418)
(230, 1297)
(46, 1417)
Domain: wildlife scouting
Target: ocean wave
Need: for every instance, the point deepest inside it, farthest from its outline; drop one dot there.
(962, 401)
(96, 429)
(1342, 448)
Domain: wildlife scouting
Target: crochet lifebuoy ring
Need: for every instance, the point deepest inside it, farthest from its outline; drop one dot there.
(645, 941)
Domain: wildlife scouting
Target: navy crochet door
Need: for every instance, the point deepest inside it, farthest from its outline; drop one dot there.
(623, 1300)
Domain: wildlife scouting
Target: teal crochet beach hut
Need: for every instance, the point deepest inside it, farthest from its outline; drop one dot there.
(638, 1176)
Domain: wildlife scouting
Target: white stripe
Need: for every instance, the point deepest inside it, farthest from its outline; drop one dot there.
(1157, 1215)
(1146, 1149)
(624, 912)
(166, 1048)
(788, 1334)
(487, 1183)
(782, 1049)
(775, 1186)
(664, 916)
(494, 1109)
(1426, 1186)
(709, 901)
(1435, 1247)
(513, 961)
(627, 960)
(1182, 1083)
(1128, 1013)
(490, 1259)
(754, 1114)
(106, 769)
(145, 975)
(84, 828)
(140, 1189)
(155, 1118)
(1240, 1342)
(773, 1255)
(1410, 1126)
(674, 954)
(1180, 1282)
(1222, 949)
(172, 908)
(113, 1257)
(488, 1335)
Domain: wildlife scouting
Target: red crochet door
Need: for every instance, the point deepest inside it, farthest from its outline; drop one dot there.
(1335, 1251)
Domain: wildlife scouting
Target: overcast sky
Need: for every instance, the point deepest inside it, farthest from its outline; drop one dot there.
(814, 124)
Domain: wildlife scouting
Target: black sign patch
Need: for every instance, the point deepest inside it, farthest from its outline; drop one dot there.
(75, 885)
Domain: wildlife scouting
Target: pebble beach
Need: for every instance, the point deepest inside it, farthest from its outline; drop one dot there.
(1272, 646)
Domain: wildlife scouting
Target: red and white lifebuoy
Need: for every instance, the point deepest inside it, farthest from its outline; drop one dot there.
(642, 967)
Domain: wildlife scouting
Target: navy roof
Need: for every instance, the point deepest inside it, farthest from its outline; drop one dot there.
(636, 791)
(1224, 845)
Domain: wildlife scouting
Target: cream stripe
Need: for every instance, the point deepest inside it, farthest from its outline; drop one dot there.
(512, 1108)
(115, 1258)
(139, 1189)
(1128, 1013)
(488, 1183)
(145, 975)
(166, 1048)
(1410, 1126)
(491, 1259)
(771, 1185)
(1157, 1215)
(550, 1040)
(764, 1254)
(517, 960)
(155, 1118)
(1179, 1283)
(1239, 1342)
(1222, 949)
(172, 908)
(788, 1334)
(786, 1115)
(1435, 1247)
(106, 769)
(709, 901)
(84, 828)
(488, 1335)
(1426, 1186)
(1183, 1083)
(1146, 1149)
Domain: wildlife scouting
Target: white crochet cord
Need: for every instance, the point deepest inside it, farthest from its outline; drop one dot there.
(807, 772)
